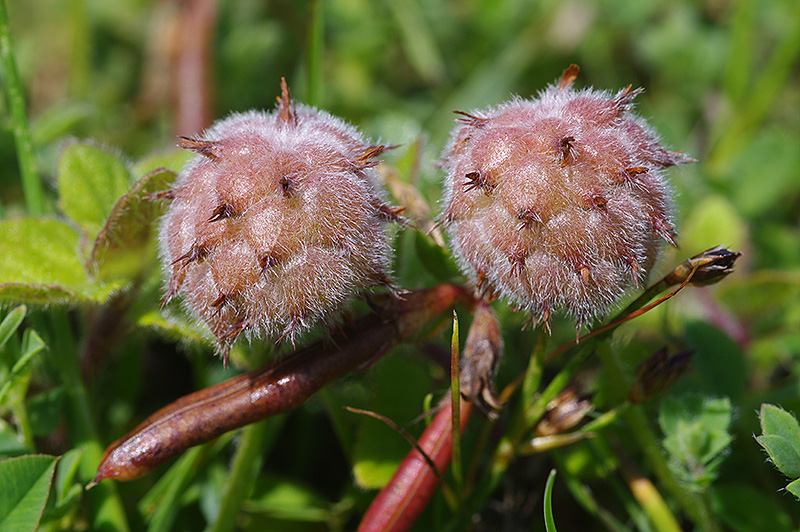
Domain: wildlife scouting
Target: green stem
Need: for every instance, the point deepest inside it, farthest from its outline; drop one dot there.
(584, 496)
(79, 48)
(647, 441)
(179, 477)
(528, 414)
(163, 499)
(104, 502)
(648, 497)
(31, 186)
(245, 468)
(549, 520)
(15, 388)
(334, 410)
(523, 420)
(533, 374)
(20, 411)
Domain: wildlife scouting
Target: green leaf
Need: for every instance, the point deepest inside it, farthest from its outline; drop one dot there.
(714, 219)
(744, 509)
(287, 500)
(763, 177)
(161, 503)
(434, 258)
(60, 121)
(40, 263)
(176, 326)
(172, 160)
(125, 243)
(90, 180)
(32, 343)
(418, 41)
(794, 488)
(782, 453)
(65, 479)
(695, 434)
(66, 491)
(44, 411)
(10, 444)
(24, 486)
(11, 323)
(775, 420)
(718, 360)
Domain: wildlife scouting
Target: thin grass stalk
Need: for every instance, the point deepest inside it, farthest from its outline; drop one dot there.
(583, 495)
(455, 395)
(647, 495)
(169, 489)
(29, 172)
(80, 50)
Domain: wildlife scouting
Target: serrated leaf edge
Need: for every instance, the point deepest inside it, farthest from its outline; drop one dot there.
(91, 263)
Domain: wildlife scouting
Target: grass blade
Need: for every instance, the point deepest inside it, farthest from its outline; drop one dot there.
(549, 521)
(31, 186)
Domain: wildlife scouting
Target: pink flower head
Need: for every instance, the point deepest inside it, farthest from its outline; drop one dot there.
(558, 202)
(275, 223)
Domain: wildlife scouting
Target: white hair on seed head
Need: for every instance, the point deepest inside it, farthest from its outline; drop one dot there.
(276, 222)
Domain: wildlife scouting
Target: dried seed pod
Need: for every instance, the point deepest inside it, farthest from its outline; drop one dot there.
(279, 386)
(275, 223)
(559, 202)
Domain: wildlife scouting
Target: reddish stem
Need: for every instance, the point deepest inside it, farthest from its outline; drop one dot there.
(192, 69)
(402, 500)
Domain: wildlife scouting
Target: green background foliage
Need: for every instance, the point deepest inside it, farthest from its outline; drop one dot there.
(91, 355)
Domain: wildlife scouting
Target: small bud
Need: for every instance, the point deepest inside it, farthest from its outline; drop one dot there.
(564, 412)
(481, 356)
(657, 373)
(711, 266)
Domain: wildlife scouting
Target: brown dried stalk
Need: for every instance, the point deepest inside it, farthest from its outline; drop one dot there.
(191, 85)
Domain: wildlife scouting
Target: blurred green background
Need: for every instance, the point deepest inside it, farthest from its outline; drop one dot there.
(722, 80)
